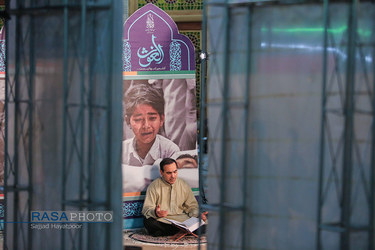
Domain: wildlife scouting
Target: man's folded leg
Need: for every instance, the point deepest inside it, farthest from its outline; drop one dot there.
(157, 228)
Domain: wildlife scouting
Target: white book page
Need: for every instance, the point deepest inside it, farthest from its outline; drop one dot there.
(190, 224)
(177, 222)
(181, 224)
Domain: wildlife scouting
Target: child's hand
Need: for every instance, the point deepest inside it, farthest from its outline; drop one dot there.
(186, 161)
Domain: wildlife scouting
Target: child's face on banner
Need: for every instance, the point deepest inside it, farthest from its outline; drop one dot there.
(145, 123)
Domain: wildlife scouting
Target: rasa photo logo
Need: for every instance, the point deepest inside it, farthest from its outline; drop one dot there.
(68, 219)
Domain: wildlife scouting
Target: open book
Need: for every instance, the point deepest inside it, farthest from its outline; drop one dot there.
(190, 224)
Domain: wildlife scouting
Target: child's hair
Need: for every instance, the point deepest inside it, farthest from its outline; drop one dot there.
(143, 93)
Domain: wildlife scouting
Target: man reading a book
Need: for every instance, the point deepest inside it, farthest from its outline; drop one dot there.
(168, 197)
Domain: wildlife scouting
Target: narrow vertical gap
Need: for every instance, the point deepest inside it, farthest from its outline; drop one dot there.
(202, 113)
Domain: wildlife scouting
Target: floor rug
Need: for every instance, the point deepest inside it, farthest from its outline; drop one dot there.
(186, 240)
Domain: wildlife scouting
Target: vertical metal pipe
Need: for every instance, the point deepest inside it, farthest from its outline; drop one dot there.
(30, 128)
(322, 126)
(65, 112)
(115, 125)
(202, 113)
(371, 210)
(6, 152)
(82, 111)
(348, 129)
(246, 131)
(224, 134)
(90, 121)
(109, 139)
(18, 38)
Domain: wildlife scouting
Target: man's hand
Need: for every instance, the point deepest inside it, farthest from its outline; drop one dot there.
(203, 216)
(160, 213)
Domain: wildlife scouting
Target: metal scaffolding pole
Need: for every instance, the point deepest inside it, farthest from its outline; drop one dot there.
(224, 138)
(245, 167)
(371, 205)
(322, 126)
(348, 129)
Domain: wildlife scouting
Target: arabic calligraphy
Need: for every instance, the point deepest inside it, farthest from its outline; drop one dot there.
(155, 54)
(150, 24)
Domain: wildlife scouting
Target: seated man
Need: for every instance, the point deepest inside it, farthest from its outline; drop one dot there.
(168, 197)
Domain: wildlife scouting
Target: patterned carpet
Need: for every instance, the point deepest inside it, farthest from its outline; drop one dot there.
(186, 240)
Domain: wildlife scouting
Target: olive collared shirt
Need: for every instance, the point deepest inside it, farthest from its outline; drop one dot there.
(177, 199)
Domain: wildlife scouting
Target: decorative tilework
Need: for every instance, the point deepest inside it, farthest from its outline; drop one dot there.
(171, 1)
(132, 209)
(195, 37)
(174, 4)
(2, 55)
(126, 56)
(2, 214)
(151, 1)
(175, 56)
(2, 210)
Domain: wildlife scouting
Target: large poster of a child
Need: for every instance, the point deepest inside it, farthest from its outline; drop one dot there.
(160, 121)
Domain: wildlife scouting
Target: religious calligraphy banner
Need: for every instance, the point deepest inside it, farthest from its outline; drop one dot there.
(159, 106)
(152, 43)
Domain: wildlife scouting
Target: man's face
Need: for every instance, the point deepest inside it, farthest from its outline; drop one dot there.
(145, 123)
(170, 173)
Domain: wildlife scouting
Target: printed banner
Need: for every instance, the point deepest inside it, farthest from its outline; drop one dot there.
(159, 106)
(152, 43)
